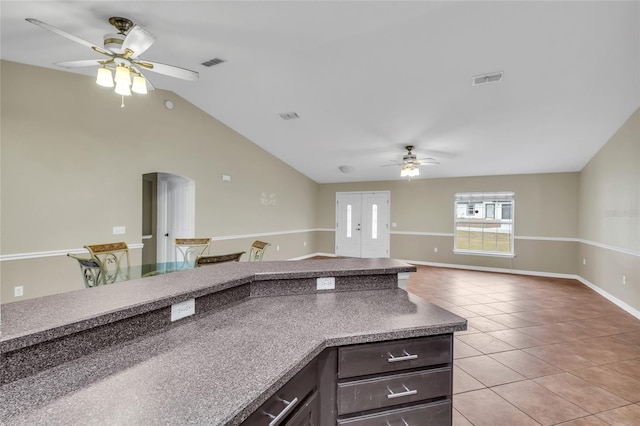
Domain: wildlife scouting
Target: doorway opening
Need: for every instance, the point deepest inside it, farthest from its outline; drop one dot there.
(168, 212)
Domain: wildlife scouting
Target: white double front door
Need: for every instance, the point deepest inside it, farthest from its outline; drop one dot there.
(362, 224)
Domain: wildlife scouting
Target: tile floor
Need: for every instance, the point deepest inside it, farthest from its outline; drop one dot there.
(538, 351)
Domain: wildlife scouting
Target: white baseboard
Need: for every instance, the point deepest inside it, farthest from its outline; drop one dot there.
(622, 305)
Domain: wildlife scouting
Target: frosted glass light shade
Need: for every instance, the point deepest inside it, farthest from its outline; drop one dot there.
(123, 75)
(139, 85)
(409, 172)
(105, 79)
(123, 89)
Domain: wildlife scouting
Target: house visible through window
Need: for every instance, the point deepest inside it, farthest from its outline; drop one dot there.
(484, 223)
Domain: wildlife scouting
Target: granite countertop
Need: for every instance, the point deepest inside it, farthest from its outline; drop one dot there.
(32, 321)
(218, 368)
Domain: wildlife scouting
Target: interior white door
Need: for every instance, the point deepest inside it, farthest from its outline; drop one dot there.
(176, 213)
(362, 224)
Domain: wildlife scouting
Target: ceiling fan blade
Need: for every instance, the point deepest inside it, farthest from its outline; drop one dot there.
(394, 164)
(138, 40)
(170, 70)
(68, 36)
(84, 63)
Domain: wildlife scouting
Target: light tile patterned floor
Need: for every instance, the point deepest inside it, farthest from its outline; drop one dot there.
(538, 351)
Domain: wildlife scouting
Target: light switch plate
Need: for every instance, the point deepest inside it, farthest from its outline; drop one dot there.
(183, 309)
(326, 283)
(119, 230)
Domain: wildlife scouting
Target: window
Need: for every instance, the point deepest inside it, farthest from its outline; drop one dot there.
(484, 223)
(374, 222)
(348, 220)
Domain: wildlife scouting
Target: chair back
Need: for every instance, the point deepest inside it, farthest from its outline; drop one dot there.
(188, 249)
(218, 258)
(113, 259)
(257, 251)
(90, 269)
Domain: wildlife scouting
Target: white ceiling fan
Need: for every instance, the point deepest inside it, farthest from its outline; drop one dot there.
(122, 51)
(410, 163)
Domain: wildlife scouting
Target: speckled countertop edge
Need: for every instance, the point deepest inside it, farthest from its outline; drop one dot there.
(79, 310)
(254, 331)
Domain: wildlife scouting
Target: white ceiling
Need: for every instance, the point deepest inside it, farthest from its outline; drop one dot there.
(367, 78)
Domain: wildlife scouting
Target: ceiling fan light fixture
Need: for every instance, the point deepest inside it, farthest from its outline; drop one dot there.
(139, 85)
(104, 79)
(123, 88)
(410, 171)
(123, 75)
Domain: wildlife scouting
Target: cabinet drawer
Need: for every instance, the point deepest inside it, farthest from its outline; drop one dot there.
(368, 394)
(360, 360)
(287, 400)
(435, 414)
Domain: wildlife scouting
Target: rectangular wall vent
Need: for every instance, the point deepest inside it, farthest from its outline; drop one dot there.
(494, 77)
(212, 62)
(289, 115)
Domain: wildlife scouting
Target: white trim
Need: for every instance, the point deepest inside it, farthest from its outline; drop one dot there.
(427, 234)
(612, 248)
(53, 253)
(611, 298)
(265, 234)
(485, 253)
(308, 256)
(565, 239)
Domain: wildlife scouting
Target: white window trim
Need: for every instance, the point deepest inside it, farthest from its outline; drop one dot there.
(480, 197)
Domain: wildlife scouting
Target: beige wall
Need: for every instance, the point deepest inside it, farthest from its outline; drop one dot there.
(609, 224)
(72, 164)
(546, 210)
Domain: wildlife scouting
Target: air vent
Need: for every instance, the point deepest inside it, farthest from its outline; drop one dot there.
(494, 77)
(289, 115)
(212, 62)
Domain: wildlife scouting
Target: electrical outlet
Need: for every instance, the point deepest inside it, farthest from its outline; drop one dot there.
(326, 283)
(119, 230)
(304, 244)
(624, 280)
(18, 291)
(584, 261)
(277, 248)
(183, 309)
(435, 249)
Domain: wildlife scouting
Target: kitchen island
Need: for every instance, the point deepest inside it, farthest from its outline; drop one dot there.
(118, 359)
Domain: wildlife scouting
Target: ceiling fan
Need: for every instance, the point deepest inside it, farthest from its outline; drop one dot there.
(122, 51)
(410, 163)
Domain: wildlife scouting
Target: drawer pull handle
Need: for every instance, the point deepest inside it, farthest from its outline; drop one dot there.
(407, 392)
(405, 357)
(277, 419)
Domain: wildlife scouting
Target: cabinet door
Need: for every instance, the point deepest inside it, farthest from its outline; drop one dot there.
(308, 414)
(287, 400)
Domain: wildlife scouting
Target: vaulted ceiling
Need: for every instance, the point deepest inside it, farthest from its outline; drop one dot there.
(368, 78)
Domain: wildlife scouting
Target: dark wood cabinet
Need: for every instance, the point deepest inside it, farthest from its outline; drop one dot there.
(406, 382)
(295, 403)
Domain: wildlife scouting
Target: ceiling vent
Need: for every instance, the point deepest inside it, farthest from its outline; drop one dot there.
(289, 115)
(212, 62)
(494, 77)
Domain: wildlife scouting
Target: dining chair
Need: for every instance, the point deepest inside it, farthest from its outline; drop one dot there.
(257, 251)
(188, 249)
(113, 259)
(90, 269)
(218, 258)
